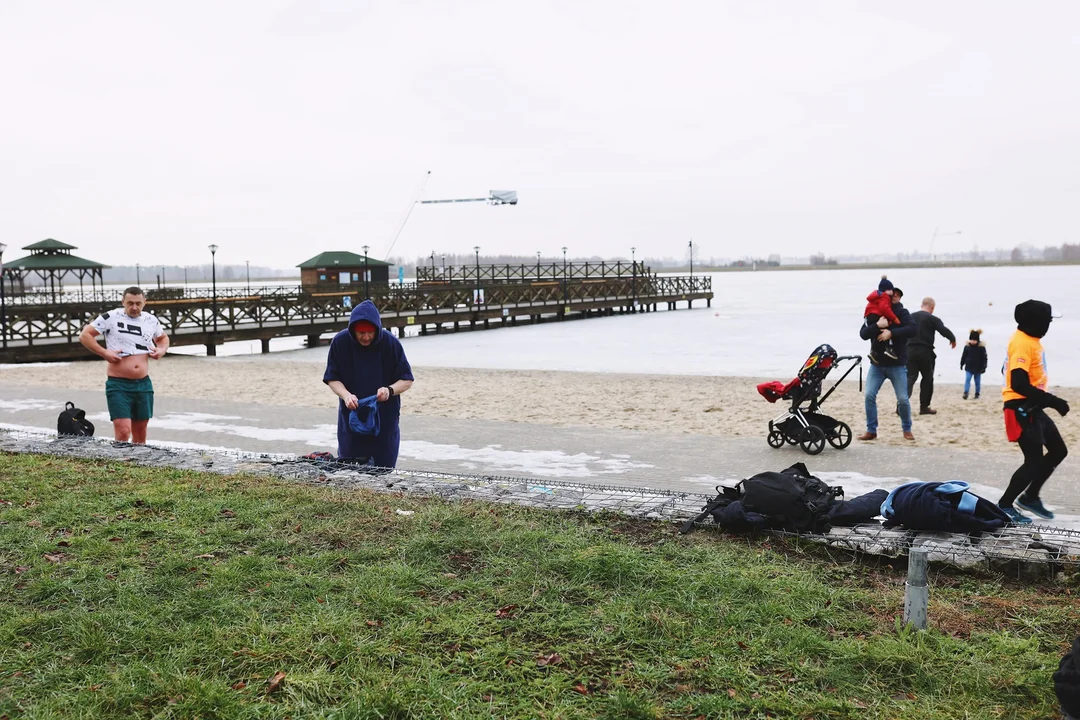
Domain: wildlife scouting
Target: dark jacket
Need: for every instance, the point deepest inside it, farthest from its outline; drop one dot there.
(900, 335)
(927, 324)
(973, 359)
(363, 370)
(941, 507)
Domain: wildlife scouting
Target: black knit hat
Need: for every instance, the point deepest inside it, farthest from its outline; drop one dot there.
(885, 284)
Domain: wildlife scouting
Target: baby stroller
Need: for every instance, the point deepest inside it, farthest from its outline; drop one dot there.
(805, 426)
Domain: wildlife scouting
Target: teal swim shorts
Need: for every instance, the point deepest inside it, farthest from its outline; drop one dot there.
(130, 399)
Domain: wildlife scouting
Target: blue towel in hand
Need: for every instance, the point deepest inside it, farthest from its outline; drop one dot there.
(364, 420)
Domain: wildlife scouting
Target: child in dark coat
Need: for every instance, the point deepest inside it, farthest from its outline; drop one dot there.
(973, 362)
(879, 305)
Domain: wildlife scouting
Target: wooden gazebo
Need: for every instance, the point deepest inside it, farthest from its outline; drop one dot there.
(51, 261)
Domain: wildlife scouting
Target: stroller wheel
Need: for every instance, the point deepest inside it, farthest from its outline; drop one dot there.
(812, 440)
(840, 437)
(776, 439)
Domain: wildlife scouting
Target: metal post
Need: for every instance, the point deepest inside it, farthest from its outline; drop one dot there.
(185, 277)
(138, 281)
(537, 264)
(367, 295)
(432, 264)
(916, 592)
(248, 264)
(163, 275)
(633, 275)
(3, 298)
(213, 281)
(691, 263)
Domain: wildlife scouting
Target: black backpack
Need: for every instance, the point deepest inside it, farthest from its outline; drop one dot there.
(72, 421)
(792, 499)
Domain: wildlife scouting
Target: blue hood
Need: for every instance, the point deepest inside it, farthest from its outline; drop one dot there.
(366, 311)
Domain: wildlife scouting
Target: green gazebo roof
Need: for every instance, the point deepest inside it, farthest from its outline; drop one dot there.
(341, 258)
(49, 255)
(50, 244)
(53, 262)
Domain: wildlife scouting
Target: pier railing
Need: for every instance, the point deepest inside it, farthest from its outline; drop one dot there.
(198, 316)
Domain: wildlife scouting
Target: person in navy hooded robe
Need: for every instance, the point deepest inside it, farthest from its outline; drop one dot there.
(367, 360)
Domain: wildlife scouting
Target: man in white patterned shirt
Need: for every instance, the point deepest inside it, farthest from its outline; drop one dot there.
(131, 336)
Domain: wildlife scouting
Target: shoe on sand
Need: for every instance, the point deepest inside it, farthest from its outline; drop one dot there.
(867, 436)
(908, 436)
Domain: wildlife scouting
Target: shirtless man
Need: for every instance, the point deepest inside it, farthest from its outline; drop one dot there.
(131, 336)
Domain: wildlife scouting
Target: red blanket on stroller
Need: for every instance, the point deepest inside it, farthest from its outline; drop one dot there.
(775, 390)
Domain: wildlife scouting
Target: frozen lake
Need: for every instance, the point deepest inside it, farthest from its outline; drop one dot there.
(762, 324)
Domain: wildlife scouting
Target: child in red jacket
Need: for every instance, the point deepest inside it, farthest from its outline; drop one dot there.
(879, 305)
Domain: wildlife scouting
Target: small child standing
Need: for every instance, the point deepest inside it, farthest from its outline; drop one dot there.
(973, 362)
(879, 305)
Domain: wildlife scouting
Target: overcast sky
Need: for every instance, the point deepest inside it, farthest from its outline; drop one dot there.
(144, 131)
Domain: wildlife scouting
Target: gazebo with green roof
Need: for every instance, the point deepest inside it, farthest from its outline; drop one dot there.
(51, 261)
(339, 269)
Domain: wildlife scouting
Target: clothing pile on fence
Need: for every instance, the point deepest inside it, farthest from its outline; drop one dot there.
(793, 500)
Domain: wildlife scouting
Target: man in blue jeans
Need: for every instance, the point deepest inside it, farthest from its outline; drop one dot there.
(893, 370)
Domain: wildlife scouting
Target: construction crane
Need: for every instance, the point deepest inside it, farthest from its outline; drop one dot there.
(494, 197)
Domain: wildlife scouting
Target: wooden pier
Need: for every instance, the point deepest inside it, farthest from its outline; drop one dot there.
(42, 326)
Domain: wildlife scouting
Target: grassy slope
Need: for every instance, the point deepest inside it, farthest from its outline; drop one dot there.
(131, 592)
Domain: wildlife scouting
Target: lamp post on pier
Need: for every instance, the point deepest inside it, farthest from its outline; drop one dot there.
(633, 275)
(367, 295)
(138, 281)
(564, 287)
(479, 300)
(247, 263)
(211, 349)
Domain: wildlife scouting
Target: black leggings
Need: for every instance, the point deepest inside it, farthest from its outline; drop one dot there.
(1039, 431)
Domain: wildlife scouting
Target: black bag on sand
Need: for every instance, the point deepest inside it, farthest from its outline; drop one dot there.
(72, 421)
(792, 499)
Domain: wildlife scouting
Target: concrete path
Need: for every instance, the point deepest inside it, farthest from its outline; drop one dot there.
(691, 463)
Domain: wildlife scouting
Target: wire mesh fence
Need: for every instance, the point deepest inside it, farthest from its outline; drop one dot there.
(1020, 547)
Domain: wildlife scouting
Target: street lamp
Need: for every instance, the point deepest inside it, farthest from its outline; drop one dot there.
(476, 249)
(137, 280)
(633, 275)
(691, 263)
(432, 264)
(3, 299)
(163, 275)
(564, 289)
(367, 296)
(213, 281)
(537, 264)
(248, 264)
(936, 236)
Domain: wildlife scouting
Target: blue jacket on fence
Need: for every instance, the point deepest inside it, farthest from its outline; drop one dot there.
(941, 507)
(363, 370)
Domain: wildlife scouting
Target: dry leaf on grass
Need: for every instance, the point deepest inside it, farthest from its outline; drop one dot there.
(552, 659)
(275, 682)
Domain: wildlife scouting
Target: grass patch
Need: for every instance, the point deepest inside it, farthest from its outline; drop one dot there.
(135, 592)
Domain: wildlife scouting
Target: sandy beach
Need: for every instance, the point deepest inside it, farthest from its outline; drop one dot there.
(712, 406)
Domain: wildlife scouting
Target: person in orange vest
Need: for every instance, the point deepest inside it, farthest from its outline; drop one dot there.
(1026, 421)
